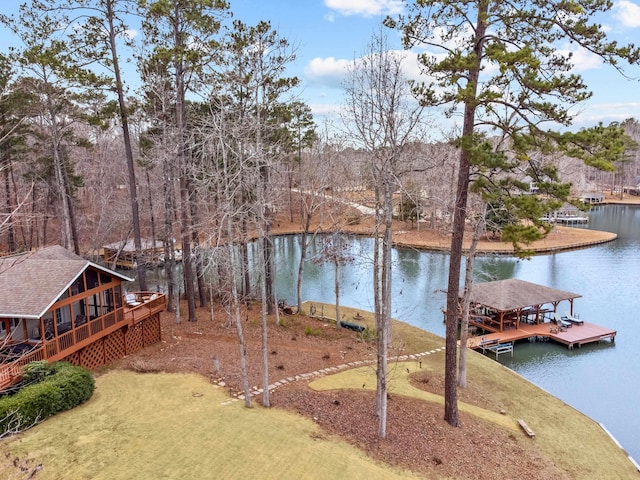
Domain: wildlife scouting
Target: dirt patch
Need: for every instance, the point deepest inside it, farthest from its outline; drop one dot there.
(210, 347)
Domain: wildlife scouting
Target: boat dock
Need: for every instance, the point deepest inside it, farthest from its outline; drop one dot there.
(576, 335)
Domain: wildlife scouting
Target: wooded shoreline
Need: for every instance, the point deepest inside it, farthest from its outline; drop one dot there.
(561, 238)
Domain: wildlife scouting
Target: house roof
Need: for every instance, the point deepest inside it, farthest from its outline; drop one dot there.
(513, 294)
(31, 282)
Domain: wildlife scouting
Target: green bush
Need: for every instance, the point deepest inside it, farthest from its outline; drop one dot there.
(313, 332)
(36, 372)
(62, 386)
(369, 334)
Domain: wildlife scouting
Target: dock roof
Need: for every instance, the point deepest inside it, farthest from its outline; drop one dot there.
(129, 245)
(514, 294)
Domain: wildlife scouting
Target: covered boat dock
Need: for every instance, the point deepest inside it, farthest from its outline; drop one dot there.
(509, 310)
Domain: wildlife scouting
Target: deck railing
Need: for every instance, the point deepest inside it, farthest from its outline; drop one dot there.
(80, 336)
(148, 303)
(10, 371)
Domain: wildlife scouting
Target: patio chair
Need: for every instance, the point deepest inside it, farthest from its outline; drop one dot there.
(131, 301)
(571, 319)
(560, 322)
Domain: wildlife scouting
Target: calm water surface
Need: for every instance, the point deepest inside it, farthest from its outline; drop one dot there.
(601, 380)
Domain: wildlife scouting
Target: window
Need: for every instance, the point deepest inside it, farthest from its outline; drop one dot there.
(78, 286)
(118, 293)
(107, 301)
(17, 329)
(92, 278)
(79, 313)
(104, 278)
(48, 325)
(94, 306)
(63, 319)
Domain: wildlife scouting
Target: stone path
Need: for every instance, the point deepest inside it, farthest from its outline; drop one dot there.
(325, 371)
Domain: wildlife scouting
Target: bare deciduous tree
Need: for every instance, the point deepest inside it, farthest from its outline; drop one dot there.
(382, 117)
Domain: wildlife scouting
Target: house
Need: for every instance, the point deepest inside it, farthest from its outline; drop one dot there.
(533, 186)
(567, 214)
(123, 255)
(592, 198)
(55, 305)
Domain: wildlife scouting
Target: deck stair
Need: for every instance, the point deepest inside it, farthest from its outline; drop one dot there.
(494, 345)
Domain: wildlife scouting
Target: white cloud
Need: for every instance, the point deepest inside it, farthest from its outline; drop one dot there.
(628, 13)
(328, 71)
(581, 59)
(606, 113)
(130, 34)
(326, 109)
(331, 71)
(367, 8)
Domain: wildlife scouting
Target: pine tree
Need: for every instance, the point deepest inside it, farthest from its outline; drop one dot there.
(501, 65)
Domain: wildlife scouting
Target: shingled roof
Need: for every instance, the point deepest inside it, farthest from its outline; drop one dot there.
(513, 294)
(31, 282)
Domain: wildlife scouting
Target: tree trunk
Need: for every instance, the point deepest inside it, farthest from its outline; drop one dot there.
(336, 288)
(72, 214)
(246, 285)
(184, 172)
(152, 219)
(303, 258)
(382, 290)
(169, 247)
(265, 349)
(459, 216)
(464, 323)
(304, 244)
(11, 242)
(124, 120)
(268, 261)
(58, 167)
(290, 181)
(195, 235)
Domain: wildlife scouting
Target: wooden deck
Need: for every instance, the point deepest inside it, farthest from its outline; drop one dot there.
(576, 335)
(65, 345)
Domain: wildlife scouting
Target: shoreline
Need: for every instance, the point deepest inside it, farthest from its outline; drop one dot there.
(407, 235)
(404, 235)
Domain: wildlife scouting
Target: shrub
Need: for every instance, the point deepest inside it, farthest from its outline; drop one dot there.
(62, 386)
(36, 372)
(309, 330)
(368, 334)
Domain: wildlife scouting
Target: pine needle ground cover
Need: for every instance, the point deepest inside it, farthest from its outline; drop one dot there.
(565, 438)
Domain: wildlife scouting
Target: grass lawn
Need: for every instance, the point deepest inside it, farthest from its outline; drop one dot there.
(175, 426)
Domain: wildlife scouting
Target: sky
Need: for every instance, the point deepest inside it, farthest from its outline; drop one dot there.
(329, 34)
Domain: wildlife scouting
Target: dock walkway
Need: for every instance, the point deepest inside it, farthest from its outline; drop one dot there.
(577, 335)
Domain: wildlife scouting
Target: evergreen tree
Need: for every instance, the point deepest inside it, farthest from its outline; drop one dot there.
(182, 35)
(501, 64)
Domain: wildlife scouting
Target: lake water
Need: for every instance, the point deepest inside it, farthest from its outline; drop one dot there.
(601, 380)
